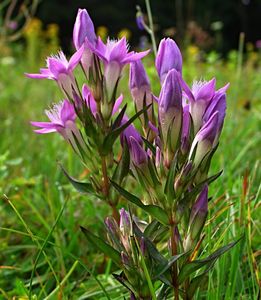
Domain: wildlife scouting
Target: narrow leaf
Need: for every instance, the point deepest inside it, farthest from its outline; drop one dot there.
(155, 211)
(195, 265)
(102, 246)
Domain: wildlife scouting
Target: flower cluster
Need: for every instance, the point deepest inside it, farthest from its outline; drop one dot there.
(169, 160)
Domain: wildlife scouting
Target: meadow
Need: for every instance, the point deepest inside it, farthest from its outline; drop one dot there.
(42, 250)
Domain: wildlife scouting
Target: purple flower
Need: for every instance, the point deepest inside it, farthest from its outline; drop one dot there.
(199, 212)
(140, 89)
(61, 116)
(62, 120)
(201, 95)
(61, 70)
(115, 55)
(124, 222)
(205, 139)
(218, 104)
(139, 156)
(130, 131)
(84, 30)
(197, 219)
(170, 112)
(168, 58)
(140, 21)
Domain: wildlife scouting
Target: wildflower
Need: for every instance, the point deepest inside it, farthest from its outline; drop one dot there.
(170, 113)
(61, 70)
(62, 120)
(197, 218)
(130, 131)
(201, 94)
(139, 156)
(205, 139)
(140, 89)
(84, 30)
(115, 55)
(168, 58)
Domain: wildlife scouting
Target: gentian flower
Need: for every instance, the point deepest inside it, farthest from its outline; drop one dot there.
(140, 90)
(61, 70)
(115, 56)
(128, 132)
(140, 20)
(84, 30)
(62, 120)
(168, 58)
(170, 113)
(198, 217)
(139, 156)
(201, 95)
(206, 139)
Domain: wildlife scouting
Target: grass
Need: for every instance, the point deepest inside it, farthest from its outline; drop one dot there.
(44, 255)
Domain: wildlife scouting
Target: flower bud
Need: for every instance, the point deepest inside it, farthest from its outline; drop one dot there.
(197, 219)
(170, 113)
(124, 222)
(168, 58)
(185, 130)
(204, 139)
(139, 156)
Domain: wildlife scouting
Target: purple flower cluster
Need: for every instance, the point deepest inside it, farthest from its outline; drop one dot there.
(102, 64)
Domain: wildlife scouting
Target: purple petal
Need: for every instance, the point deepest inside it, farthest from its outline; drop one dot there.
(138, 76)
(75, 59)
(138, 154)
(168, 57)
(88, 97)
(206, 91)
(44, 130)
(56, 67)
(209, 129)
(46, 125)
(67, 112)
(133, 56)
(171, 93)
(118, 51)
(117, 104)
(37, 76)
(83, 28)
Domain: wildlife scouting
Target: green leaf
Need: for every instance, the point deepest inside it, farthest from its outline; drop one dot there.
(155, 211)
(114, 134)
(102, 246)
(163, 268)
(82, 187)
(195, 265)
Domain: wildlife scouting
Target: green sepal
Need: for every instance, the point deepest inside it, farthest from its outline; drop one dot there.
(119, 118)
(99, 243)
(123, 281)
(112, 136)
(82, 187)
(155, 211)
(149, 145)
(191, 267)
(169, 186)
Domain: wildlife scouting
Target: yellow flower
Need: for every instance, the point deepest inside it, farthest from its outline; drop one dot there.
(102, 31)
(125, 32)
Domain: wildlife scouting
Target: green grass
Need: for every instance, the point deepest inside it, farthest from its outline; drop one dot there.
(42, 251)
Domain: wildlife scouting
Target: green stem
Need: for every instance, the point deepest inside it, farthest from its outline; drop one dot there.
(63, 281)
(147, 275)
(151, 32)
(175, 266)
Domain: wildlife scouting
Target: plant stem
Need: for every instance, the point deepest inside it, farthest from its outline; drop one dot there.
(175, 266)
(106, 189)
(151, 27)
(105, 177)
